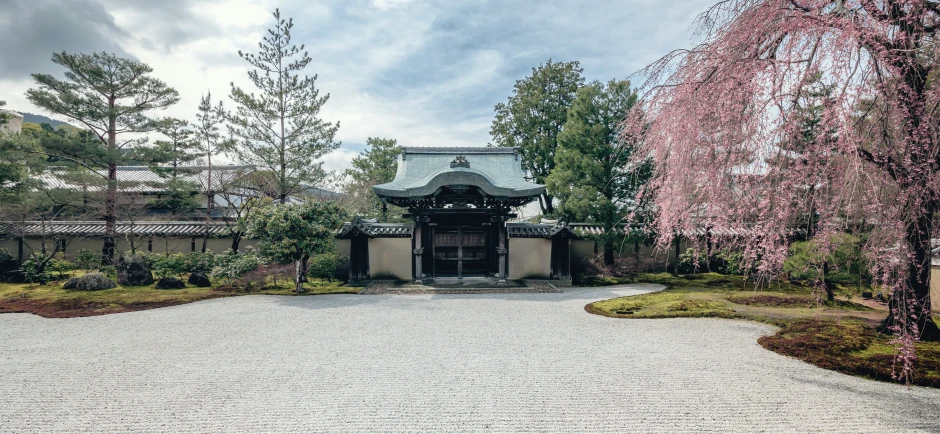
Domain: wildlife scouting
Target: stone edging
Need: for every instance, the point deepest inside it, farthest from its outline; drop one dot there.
(377, 287)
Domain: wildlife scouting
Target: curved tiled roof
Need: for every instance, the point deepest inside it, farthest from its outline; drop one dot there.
(541, 230)
(527, 230)
(372, 229)
(495, 171)
(546, 227)
(94, 229)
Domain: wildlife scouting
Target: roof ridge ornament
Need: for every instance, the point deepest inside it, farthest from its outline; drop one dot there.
(460, 161)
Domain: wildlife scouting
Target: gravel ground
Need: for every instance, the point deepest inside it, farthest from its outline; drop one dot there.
(425, 363)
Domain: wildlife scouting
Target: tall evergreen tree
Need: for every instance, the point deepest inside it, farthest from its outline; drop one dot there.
(278, 129)
(112, 97)
(26, 197)
(4, 116)
(208, 122)
(535, 115)
(20, 158)
(377, 165)
(178, 150)
(594, 178)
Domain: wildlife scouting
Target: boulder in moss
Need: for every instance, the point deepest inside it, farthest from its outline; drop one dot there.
(132, 270)
(170, 283)
(89, 282)
(199, 279)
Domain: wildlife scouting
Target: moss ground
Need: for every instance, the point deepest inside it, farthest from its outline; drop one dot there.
(51, 301)
(838, 335)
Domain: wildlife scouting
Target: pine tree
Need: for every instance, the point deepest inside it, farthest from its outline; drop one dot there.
(534, 116)
(377, 165)
(111, 96)
(4, 116)
(210, 141)
(594, 178)
(278, 129)
(177, 151)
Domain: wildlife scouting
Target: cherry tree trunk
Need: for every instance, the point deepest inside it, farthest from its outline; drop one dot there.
(916, 302)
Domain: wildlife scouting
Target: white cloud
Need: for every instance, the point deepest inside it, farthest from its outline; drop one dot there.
(389, 4)
(426, 75)
(340, 160)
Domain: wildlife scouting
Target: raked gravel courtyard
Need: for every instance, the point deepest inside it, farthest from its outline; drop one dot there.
(425, 363)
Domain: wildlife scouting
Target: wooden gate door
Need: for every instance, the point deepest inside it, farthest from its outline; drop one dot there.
(460, 251)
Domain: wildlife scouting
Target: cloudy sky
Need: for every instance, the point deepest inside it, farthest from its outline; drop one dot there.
(426, 73)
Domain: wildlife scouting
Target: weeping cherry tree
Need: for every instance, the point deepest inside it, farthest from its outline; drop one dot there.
(722, 118)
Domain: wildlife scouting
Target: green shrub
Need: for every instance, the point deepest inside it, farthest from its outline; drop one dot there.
(324, 266)
(60, 266)
(173, 265)
(723, 261)
(108, 270)
(692, 261)
(728, 261)
(200, 262)
(231, 266)
(87, 260)
(844, 259)
(33, 273)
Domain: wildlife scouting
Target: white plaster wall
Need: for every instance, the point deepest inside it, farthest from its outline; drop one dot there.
(530, 258)
(935, 288)
(390, 258)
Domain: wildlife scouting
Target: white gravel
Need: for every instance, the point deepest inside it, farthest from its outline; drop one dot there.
(425, 363)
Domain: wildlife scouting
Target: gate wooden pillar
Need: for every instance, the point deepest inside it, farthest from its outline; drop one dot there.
(561, 258)
(358, 233)
(502, 250)
(561, 237)
(420, 223)
(358, 257)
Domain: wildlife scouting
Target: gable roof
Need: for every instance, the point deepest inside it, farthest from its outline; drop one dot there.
(496, 172)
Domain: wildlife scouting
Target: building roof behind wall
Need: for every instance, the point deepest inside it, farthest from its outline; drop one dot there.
(143, 179)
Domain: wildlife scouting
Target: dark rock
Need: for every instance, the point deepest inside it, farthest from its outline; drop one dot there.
(867, 295)
(7, 263)
(15, 276)
(71, 283)
(199, 279)
(89, 282)
(133, 270)
(170, 283)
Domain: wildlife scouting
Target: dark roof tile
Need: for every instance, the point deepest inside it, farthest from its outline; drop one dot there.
(93, 229)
